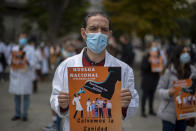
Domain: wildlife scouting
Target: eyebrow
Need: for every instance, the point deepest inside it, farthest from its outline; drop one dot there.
(97, 26)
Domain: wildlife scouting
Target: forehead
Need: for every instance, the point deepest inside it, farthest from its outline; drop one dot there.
(98, 20)
(154, 43)
(22, 35)
(185, 49)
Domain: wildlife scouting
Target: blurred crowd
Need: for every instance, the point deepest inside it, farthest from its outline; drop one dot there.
(44, 58)
(48, 56)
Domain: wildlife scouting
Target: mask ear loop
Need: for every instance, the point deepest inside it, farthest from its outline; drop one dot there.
(85, 33)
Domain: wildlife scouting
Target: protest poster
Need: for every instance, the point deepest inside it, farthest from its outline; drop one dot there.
(94, 94)
(185, 98)
(18, 60)
(156, 61)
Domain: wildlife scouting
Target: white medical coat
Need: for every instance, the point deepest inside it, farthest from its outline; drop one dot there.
(88, 106)
(60, 83)
(21, 80)
(76, 101)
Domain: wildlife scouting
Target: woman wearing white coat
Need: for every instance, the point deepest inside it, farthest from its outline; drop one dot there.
(95, 32)
(21, 80)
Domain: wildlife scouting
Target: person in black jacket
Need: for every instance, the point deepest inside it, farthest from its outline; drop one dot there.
(3, 62)
(148, 82)
(193, 53)
(128, 54)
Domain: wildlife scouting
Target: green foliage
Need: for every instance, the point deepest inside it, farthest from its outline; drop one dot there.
(46, 12)
(37, 12)
(192, 22)
(147, 16)
(75, 14)
(2, 11)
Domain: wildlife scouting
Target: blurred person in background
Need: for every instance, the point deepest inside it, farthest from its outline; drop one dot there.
(38, 57)
(52, 58)
(170, 47)
(32, 45)
(59, 55)
(22, 62)
(149, 79)
(69, 50)
(3, 62)
(178, 68)
(44, 63)
(8, 51)
(193, 53)
(113, 47)
(79, 45)
(127, 51)
(164, 55)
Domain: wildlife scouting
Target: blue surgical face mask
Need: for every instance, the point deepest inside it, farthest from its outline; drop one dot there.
(154, 49)
(96, 42)
(185, 58)
(23, 41)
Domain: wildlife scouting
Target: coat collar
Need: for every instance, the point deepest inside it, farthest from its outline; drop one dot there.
(79, 59)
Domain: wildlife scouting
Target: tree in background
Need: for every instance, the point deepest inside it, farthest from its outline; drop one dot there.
(56, 17)
(157, 17)
(2, 10)
(192, 23)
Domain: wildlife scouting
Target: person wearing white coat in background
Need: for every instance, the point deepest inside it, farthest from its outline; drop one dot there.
(44, 62)
(21, 79)
(31, 48)
(96, 25)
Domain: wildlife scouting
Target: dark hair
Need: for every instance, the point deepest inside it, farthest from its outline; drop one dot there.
(95, 14)
(175, 60)
(32, 39)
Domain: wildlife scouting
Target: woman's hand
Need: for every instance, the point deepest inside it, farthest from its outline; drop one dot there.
(171, 92)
